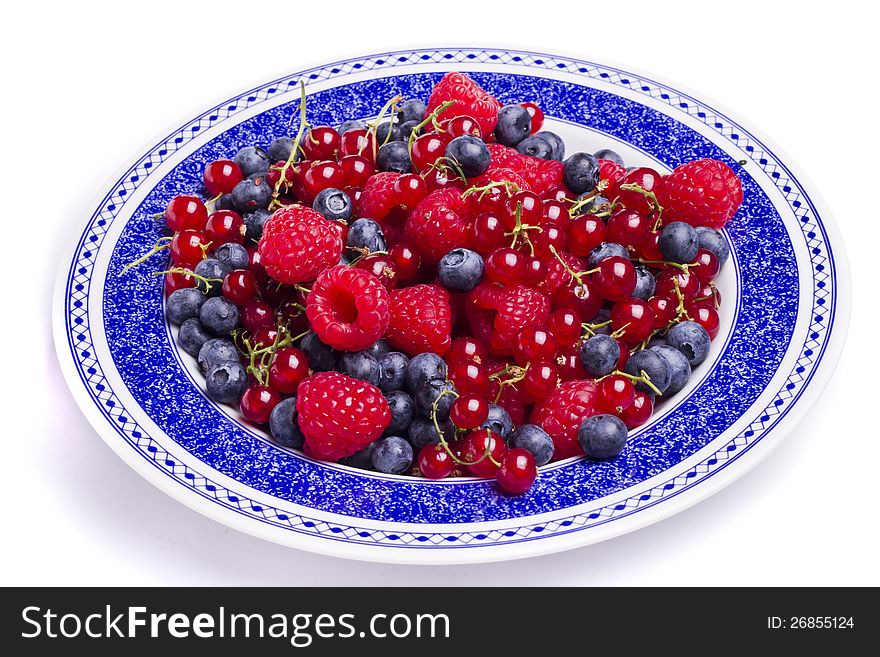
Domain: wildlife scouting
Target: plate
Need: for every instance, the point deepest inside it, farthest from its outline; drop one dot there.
(786, 304)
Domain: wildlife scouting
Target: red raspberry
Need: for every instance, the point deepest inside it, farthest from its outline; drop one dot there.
(561, 414)
(436, 225)
(421, 320)
(504, 157)
(348, 308)
(378, 197)
(497, 173)
(339, 415)
(557, 276)
(507, 311)
(701, 193)
(298, 244)
(470, 98)
(612, 172)
(542, 175)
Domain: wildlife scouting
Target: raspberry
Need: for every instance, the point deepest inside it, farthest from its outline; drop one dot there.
(378, 196)
(471, 100)
(501, 174)
(298, 244)
(561, 414)
(542, 175)
(348, 308)
(339, 415)
(504, 156)
(507, 311)
(436, 225)
(701, 193)
(421, 320)
(612, 172)
(557, 276)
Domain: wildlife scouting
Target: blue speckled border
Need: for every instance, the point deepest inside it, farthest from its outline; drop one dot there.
(135, 301)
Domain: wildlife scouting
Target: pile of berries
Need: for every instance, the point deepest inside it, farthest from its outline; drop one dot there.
(441, 292)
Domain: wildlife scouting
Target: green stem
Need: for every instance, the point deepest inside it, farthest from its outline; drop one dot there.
(294, 152)
(161, 244)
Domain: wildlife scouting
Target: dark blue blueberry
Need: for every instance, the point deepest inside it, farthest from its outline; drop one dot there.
(213, 270)
(365, 234)
(498, 421)
(435, 391)
(321, 357)
(362, 460)
(225, 202)
(407, 128)
(383, 130)
(678, 242)
(254, 222)
(184, 304)
(580, 172)
(191, 336)
(356, 124)
(690, 339)
(645, 283)
(656, 341)
(422, 368)
(360, 365)
(233, 255)
(334, 204)
(460, 270)
(602, 317)
(220, 316)
(535, 146)
(226, 382)
(411, 110)
(403, 410)
(534, 439)
(252, 194)
(423, 432)
(393, 455)
(556, 144)
(514, 125)
(602, 436)
(599, 355)
(653, 365)
(608, 154)
(392, 371)
(280, 149)
(470, 153)
(216, 351)
(679, 367)
(283, 424)
(714, 241)
(606, 250)
(394, 156)
(379, 348)
(251, 160)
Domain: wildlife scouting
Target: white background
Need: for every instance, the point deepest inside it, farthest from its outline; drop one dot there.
(87, 84)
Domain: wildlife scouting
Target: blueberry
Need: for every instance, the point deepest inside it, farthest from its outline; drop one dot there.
(360, 365)
(392, 371)
(602, 436)
(219, 315)
(423, 432)
(602, 317)
(251, 160)
(191, 336)
(283, 424)
(514, 125)
(580, 172)
(322, 358)
(252, 194)
(226, 382)
(254, 223)
(356, 124)
(534, 439)
(407, 128)
(606, 250)
(184, 304)
(411, 110)
(403, 410)
(422, 368)
(213, 270)
(460, 270)
(394, 156)
(678, 242)
(498, 421)
(535, 146)
(599, 355)
(233, 255)
(714, 241)
(645, 284)
(656, 341)
(608, 154)
(470, 153)
(216, 351)
(334, 204)
(379, 348)
(435, 391)
(387, 132)
(393, 455)
(366, 234)
(225, 202)
(363, 459)
(654, 366)
(556, 144)
(280, 149)
(679, 367)
(690, 339)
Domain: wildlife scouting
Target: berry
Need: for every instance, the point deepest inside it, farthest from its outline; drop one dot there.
(178, 281)
(298, 244)
(356, 170)
(188, 247)
(691, 339)
(220, 316)
(460, 270)
(516, 308)
(648, 364)
(632, 319)
(435, 398)
(435, 462)
(664, 310)
(321, 357)
(422, 432)
(487, 233)
(403, 410)
(216, 351)
(379, 348)
(321, 143)
(280, 149)
(541, 379)
(462, 125)
(570, 367)
(392, 371)
(541, 175)
(517, 472)
(470, 154)
(678, 242)
(706, 316)
(612, 173)
(256, 315)
(679, 367)
(534, 344)
(289, 366)
(506, 266)
(581, 172)
(499, 421)
(258, 402)
(411, 110)
(423, 368)
(562, 412)
(706, 265)
(533, 439)
(536, 271)
(334, 204)
(436, 225)
(713, 240)
(602, 436)
(365, 236)
(628, 228)
(469, 377)
(183, 304)
(348, 308)
(606, 250)
(392, 455)
(224, 226)
(252, 194)
(361, 459)
(470, 99)
(565, 326)
(421, 319)
(482, 450)
(254, 223)
(536, 146)
(226, 382)
(394, 156)
(599, 355)
(646, 285)
(701, 193)
(239, 286)
(527, 205)
(639, 412)
(467, 350)
(608, 154)
(406, 261)
(670, 280)
(283, 424)
(360, 365)
(469, 411)
(584, 233)
(409, 190)
(339, 415)
(209, 276)
(251, 160)
(427, 149)
(536, 115)
(233, 255)
(616, 278)
(221, 176)
(185, 212)
(648, 180)
(514, 125)
(616, 393)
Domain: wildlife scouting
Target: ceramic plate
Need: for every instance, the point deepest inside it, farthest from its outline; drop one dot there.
(786, 303)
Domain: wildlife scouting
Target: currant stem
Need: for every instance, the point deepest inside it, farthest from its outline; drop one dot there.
(303, 124)
(685, 268)
(374, 126)
(209, 282)
(643, 378)
(506, 184)
(519, 373)
(430, 118)
(592, 196)
(161, 244)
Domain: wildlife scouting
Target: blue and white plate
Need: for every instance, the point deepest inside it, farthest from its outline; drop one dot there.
(785, 307)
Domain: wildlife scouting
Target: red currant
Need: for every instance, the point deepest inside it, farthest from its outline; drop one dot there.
(469, 411)
(664, 310)
(188, 247)
(221, 176)
(582, 298)
(629, 228)
(541, 379)
(706, 316)
(533, 344)
(409, 190)
(570, 368)
(639, 412)
(357, 142)
(322, 176)
(616, 278)
(483, 449)
(560, 194)
(673, 278)
(616, 393)
(443, 178)
(406, 261)
(257, 403)
(426, 150)
(709, 294)
(536, 114)
(435, 462)
(256, 315)
(649, 249)
(380, 266)
(321, 143)
(554, 212)
(565, 325)
(224, 226)
(646, 178)
(356, 170)
(289, 367)
(632, 319)
(470, 378)
(487, 233)
(506, 266)
(706, 265)
(462, 125)
(467, 350)
(529, 206)
(585, 232)
(186, 212)
(239, 286)
(549, 238)
(517, 472)
(536, 271)
(177, 281)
